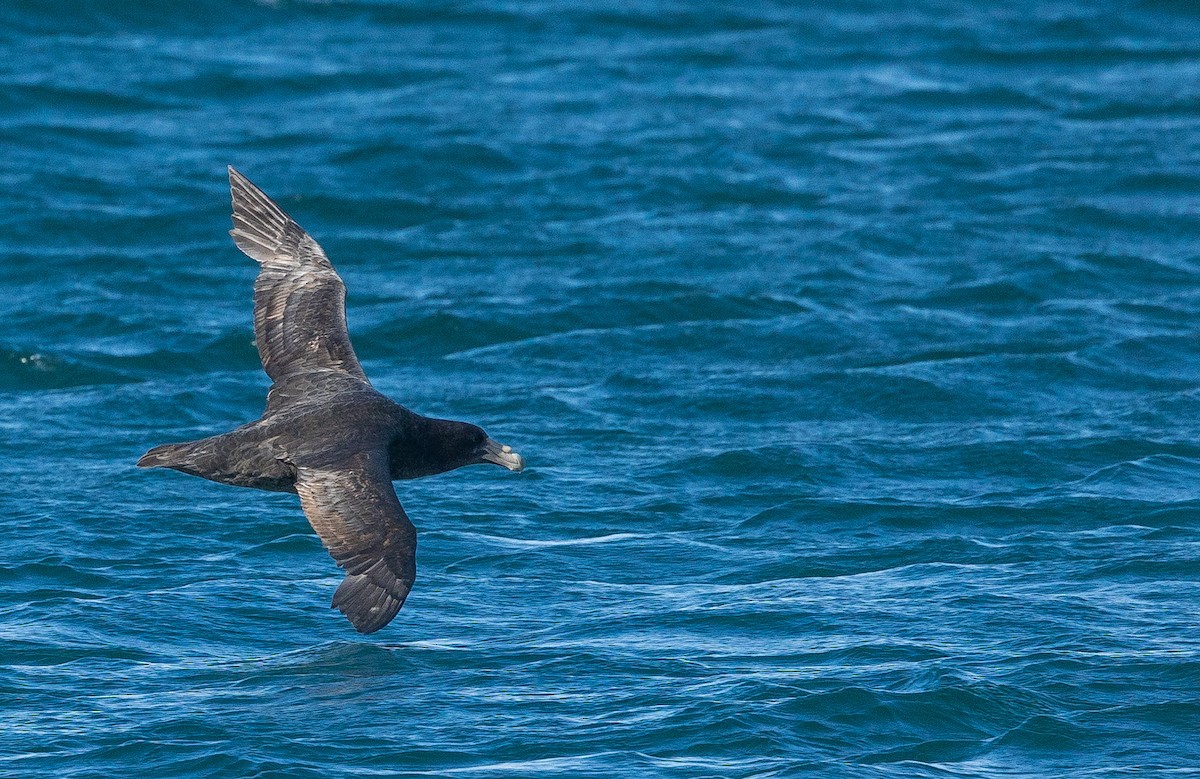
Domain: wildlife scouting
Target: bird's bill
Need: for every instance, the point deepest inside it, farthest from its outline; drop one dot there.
(502, 454)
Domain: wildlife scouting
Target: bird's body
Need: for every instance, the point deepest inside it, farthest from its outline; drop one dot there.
(326, 433)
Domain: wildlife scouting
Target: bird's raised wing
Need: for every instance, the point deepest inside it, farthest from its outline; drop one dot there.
(299, 300)
(355, 511)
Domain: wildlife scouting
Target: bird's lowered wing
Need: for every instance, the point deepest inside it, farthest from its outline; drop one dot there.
(299, 300)
(354, 509)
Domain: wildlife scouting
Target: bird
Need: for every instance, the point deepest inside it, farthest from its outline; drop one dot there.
(326, 434)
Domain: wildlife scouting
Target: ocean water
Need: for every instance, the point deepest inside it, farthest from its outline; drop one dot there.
(853, 348)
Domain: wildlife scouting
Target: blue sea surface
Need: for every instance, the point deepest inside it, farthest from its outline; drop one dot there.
(854, 349)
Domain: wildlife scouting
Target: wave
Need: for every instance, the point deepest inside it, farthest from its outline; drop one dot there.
(29, 371)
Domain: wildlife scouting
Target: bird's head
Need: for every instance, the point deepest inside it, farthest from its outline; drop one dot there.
(440, 445)
(488, 450)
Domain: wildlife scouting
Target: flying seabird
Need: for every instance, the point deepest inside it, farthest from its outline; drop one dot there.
(327, 434)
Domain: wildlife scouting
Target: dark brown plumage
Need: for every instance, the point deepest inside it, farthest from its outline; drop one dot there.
(326, 434)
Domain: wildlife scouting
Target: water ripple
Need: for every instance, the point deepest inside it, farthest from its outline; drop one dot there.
(851, 349)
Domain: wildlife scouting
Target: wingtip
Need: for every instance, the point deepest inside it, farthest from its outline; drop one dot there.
(259, 224)
(371, 621)
(238, 179)
(365, 604)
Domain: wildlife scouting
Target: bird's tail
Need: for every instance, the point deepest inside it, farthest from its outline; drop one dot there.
(165, 456)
